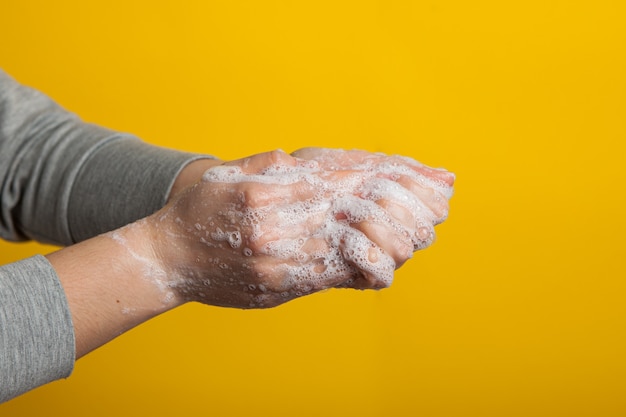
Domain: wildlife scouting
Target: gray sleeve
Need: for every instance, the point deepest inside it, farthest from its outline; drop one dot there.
(36, 333)
(63, 180)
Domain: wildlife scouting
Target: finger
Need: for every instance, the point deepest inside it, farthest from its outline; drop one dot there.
(264, 162)
(403, 231)
(398, 247)
(397, 239)
(430, 197)
(418, 228)
(438, 174)
(432, 185)
(345, 159)
(359, 282)
(404, 216)
(310, 152)
(400, 202)
(285, 197)
(299, 248)
(319, 274)
(347, 260)
(373, 264)
(336, 159)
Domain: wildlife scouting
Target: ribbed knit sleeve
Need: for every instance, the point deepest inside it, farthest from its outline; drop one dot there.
(63, 180)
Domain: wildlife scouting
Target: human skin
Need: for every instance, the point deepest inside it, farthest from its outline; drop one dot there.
(201, 247)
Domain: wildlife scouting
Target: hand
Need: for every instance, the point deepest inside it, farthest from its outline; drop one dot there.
(266, 229)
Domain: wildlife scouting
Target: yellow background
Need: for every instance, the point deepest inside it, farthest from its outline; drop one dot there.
(518, 309)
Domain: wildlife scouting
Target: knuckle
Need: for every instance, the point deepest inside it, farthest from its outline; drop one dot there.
(254, 195)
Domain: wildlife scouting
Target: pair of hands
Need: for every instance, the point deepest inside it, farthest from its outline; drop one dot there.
(260, 231)
(255, 233)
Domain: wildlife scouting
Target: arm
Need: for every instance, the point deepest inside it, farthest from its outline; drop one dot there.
(37, 327)
(62, 181)
(103, 281)
(255, 233)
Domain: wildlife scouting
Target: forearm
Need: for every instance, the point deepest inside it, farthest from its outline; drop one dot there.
(109, 285)
(53, 311)
(111, 282)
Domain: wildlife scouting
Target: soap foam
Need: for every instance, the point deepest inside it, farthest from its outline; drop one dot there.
(345, 194)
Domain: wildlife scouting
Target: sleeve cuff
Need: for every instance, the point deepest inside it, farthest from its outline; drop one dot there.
(37, 342)
(123, 180)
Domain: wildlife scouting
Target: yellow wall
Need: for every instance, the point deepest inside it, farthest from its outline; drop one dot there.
(519, 307)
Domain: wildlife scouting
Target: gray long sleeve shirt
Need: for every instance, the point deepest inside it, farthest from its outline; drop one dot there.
(61, 182)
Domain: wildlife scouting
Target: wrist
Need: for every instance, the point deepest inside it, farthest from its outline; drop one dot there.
(143, 262)
(109, 285)
(191, 173)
